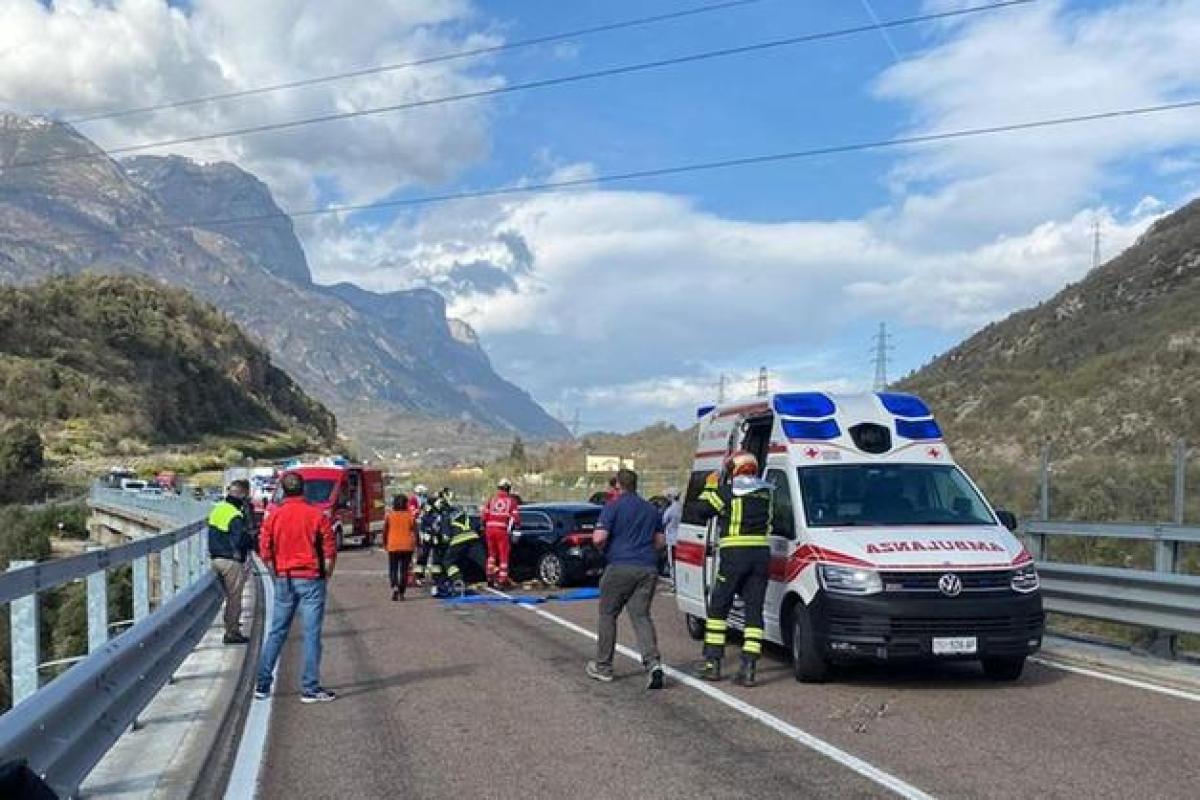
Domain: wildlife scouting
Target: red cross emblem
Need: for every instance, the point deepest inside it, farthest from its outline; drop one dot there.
(935, 453)
(812, 452)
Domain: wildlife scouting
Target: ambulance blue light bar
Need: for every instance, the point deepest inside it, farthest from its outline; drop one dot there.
(920, 430)
(904, 405)
(703, 411)
(808, 430)
(810, 405)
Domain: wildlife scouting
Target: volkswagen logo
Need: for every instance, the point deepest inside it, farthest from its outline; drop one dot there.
(950, 585)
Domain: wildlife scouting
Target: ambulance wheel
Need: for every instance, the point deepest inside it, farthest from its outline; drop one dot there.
(809, 664)
(551, 570)
(695, 627)
(1003, 669)
(337, 537)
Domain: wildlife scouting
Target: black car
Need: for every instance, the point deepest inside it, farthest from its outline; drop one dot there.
(554, 544)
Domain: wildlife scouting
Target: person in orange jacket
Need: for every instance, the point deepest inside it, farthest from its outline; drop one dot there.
(400, 540)
(500, 515)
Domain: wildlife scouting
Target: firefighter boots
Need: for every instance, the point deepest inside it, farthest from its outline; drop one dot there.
(747, 673)
(708, 670)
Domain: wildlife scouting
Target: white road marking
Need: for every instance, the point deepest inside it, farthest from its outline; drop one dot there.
(252, 749)
(1106, 676)
(868, 771)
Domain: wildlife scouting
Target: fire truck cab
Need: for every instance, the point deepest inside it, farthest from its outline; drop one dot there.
(351, 495)
(882, 547)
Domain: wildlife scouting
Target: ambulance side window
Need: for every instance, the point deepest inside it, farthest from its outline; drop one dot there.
(783, 514)
(693, 509)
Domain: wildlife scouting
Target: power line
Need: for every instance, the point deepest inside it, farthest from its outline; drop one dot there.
(881, 347)
(743, 161)
(627, 69)
(438, 59)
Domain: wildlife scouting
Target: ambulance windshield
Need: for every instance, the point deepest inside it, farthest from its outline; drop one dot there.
(318, 490)
(890, 494)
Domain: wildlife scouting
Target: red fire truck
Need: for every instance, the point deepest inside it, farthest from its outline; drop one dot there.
(351, 495)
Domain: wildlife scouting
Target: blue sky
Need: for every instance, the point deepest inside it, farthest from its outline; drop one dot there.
(628, 301)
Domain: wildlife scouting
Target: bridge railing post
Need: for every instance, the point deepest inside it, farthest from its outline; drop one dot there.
(166, 575)
(97, 606)
(141, 589)
(25, 641)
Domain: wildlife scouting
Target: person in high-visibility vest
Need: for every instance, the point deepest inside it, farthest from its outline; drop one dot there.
(743, 510)
(500, 515)
(229, 546)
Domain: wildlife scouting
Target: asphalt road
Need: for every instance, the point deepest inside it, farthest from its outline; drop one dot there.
(492, 702)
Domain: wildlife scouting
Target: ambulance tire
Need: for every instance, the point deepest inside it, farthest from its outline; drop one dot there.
(1004, 669)
(809, 664)
(695, 627)
(337, 537)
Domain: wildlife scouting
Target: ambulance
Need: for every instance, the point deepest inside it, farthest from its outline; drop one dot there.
(350, 495)
(882, 548)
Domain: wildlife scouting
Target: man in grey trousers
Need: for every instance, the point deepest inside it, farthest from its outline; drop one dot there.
(630, 534)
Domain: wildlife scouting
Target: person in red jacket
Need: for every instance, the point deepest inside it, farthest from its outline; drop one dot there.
(500, 515)
(297, 545)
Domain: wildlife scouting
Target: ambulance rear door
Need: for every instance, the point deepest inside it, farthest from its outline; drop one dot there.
(784, 540)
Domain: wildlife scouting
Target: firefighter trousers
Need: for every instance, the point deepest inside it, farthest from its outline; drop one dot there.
(463, 556)
(498, 547)
(743, 572)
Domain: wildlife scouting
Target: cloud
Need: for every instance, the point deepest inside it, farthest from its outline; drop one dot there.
(62, 58)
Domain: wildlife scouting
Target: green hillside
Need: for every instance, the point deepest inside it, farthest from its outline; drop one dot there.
(103, 364)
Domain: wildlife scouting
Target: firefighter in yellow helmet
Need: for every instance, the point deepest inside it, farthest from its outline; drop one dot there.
(742, 506)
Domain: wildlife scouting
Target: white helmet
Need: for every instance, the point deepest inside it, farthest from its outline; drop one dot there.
(504, 483)
(421, 488)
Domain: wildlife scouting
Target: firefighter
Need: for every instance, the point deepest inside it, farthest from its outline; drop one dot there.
(500, 515)
(433, 541)
(742, 506)
(464, 549)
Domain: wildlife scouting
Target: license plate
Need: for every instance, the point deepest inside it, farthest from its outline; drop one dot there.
(955, 645)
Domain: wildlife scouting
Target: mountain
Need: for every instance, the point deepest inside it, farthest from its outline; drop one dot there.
(1109, 366)
(101, 360)
(381, 361)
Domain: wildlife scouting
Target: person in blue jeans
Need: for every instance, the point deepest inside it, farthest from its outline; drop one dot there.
(298, 545)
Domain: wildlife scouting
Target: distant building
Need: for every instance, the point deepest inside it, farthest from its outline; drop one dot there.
(466, 472)
(607, 463)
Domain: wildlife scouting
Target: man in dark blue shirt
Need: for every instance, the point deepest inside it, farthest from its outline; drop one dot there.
(631, 535)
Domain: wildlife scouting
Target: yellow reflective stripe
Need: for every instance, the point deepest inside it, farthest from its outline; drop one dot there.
(453, 571)
(744, 541)
(735, 518)
(463, 538)
(715, 625)
(752, 646)
(711, 497)
(752, 633)
(715, 638)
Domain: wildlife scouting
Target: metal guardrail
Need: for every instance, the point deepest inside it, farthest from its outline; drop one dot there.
(1162, 600)
(63, 728)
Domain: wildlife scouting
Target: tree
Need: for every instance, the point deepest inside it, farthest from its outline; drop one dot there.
(21, 461)
(516, 453)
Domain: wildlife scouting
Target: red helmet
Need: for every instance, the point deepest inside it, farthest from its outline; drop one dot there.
(742, 463)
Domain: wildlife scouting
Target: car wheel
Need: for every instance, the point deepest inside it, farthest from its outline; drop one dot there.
(695, 627)
(550, 569)
(1004, 669)
(809, 664)
(337, 537)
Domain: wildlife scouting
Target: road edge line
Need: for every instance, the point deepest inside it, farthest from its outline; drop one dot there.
(252, 749)
(1108, 676)
(804, 738)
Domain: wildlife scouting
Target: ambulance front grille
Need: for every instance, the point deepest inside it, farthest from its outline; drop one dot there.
(848, 625)
(927, 581)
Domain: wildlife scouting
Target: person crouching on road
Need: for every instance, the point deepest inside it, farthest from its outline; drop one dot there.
(500, 515)
(464, 550)
(630, 533)
(743, 510)
(399, 539)
(298, 545)
(229, 546)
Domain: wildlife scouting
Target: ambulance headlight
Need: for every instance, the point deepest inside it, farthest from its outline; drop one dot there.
(1025, 579)
(850, 580)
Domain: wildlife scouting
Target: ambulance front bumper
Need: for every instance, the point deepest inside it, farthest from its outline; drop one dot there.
(885, 627)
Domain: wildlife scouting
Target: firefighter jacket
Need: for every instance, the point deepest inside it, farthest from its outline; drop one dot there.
(743, 508)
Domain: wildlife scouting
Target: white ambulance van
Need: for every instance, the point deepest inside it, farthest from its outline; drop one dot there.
(882, 548)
